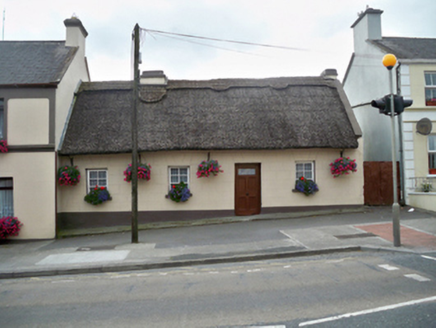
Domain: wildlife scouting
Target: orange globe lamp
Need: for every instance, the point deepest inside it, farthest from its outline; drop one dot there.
(389, 61)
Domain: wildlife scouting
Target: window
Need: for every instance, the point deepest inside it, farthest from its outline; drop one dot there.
(177, 175)
(1, 118)
(306, 170)
(432, 154)
(96, 178)
(6, 197)
(430, 89)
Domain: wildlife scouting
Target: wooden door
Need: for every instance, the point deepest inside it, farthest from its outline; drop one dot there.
(247, 189)
(378, 184)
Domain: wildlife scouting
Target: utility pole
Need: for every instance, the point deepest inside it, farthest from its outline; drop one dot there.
(135, 137)
(389, 62)
(3, 26)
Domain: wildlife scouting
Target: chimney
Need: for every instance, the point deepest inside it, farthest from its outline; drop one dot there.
(367, 27)
(330, 73)
(157, 78)
(76, 33)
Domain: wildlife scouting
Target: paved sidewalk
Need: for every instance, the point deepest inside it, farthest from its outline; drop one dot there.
(275, 236)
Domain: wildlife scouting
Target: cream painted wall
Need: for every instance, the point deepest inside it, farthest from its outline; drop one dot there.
(34, 192)
(76, 72)
(28, 121)
(216, 193)
(417, 84)
(421, 152)
(422, 200)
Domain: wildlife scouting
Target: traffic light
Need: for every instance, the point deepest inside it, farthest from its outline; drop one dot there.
(384, 104)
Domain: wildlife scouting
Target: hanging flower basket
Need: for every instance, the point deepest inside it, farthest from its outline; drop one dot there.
(307, 187)
(144, 172)
(207, 168)
(68, 175)
(98, 195)
(9, 226)
(179, 193)
(343, 166)
(3, 146)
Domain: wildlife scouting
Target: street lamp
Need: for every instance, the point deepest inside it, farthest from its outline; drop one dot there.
(389, 62)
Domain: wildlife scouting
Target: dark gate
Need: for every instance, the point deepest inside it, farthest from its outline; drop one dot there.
(378, 184)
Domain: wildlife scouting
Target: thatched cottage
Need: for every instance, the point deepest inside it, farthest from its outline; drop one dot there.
(265, 134)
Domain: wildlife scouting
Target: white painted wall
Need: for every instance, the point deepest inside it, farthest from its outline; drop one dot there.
(216, 193)
(33, 190)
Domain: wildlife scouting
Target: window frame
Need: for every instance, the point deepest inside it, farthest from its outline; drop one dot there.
(170, 183)
(431, 152)
(88, 178)
(430, 87)
(304, 163)
(11, 188)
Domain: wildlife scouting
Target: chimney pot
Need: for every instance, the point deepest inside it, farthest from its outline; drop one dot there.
(153, 78)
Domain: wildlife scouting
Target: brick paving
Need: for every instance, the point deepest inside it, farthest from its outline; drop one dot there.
(409, 237)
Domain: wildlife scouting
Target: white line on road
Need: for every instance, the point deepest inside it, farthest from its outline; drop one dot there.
(379, 309)
(428, 257)
(388, 267)
(416, 277)
(293, 239)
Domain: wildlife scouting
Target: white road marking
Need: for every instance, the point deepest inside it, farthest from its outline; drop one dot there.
(379, 309)
(428, 257)
(388, 267)
(293, 239)
(417, 277)
(286, 267)
(254, 270)
(213, 272)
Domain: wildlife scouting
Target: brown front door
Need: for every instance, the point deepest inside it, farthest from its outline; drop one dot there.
(247, 189)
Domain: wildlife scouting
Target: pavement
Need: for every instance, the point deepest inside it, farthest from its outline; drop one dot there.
(233, 239)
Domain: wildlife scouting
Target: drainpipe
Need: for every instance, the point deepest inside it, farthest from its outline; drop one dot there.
(400, 137)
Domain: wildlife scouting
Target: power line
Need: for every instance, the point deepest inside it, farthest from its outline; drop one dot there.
(225, 40)
(204, 44)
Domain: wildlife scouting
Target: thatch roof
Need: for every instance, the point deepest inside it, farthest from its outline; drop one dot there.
(224, 114)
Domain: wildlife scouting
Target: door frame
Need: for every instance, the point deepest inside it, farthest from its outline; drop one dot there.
(257, 166)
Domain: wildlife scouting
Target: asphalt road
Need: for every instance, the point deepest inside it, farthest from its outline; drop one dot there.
(343, 290)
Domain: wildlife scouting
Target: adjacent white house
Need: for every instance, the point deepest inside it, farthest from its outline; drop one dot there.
(367, 79)
(37, 84)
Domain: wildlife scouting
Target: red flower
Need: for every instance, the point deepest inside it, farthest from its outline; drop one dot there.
(102, 188)
(96, 188)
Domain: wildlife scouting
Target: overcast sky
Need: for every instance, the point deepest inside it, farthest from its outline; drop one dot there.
(319, 30)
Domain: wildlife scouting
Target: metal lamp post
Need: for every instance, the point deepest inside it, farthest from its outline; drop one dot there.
(389, 62)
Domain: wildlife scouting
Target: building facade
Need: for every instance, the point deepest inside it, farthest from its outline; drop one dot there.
(414, 78)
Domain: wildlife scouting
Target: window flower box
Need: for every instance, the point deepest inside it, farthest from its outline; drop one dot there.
(9, 226)
(305, 186)
(343, 166)
(207, 168)
(3, 146)
(144, 172)
(98, 195)
(68, 175)
(430, 102)
(179, 193)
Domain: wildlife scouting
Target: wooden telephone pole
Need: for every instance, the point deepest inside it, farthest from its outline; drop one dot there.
(135, 137)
